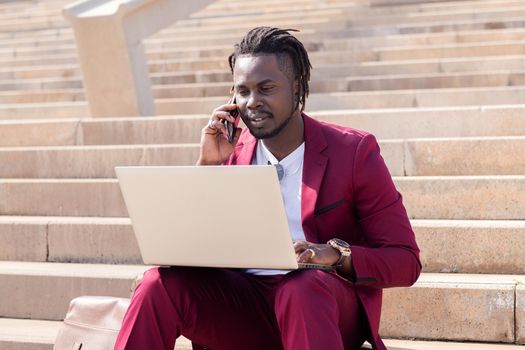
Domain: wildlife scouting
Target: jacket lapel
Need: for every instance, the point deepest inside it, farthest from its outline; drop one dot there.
(314, 167)
(246, 150)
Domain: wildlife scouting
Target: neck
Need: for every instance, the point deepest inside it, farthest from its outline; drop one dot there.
(288, 139)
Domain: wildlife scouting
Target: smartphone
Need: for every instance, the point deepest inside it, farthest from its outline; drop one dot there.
(232, 127)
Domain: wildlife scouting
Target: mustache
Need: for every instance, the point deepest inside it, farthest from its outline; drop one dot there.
(250, 115)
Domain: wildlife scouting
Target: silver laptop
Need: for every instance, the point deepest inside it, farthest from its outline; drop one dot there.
(210, 216)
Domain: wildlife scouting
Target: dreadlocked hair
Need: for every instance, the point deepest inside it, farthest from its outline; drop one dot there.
(268, 40)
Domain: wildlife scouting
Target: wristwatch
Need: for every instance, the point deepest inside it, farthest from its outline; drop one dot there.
(343, 248)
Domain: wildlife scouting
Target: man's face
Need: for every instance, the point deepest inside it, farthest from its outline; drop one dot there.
(265, 95)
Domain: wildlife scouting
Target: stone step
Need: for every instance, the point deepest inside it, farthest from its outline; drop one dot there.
(479, 246)
(41, 78)
(34, 24)
(462, 156)
(41, 85)
(476, 24)
(314, 40)
(363, 31)
(37, 33)
(351, 27)
(102, 131)
(26, 334)
(40, 72)
(228, 39)
(357, 16)
(21, 334)
(357, 100)
(42, 96)
(164, 58)
(316, 102)
(384, 123)
(380, 7)
(58, 22)
(352, 55)
(468, 36)
(67, 30)
(312, 19)
(171, 61)
(431, 122)
(62, 197)
(51, 39)
(412, 157)
(162, 61)
(93, 161)
(31, 51)
(361, 15)
(499, 70)
(25, 11)
(343, 84)
(451, 50)
(463, 197)
(323, 40)
(396, 344)
(56, 78)
(68, 240)
(214, 9)
(456, 307)
(225, 7)
(197, 51)
(59, 283)
(426, 66)
(426, 197)
(489, 314)
(44, 110)
(112, 241)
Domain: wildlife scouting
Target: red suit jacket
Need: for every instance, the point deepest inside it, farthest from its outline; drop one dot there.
(348, 193)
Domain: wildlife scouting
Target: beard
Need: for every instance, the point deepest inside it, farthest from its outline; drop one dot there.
(266, 134)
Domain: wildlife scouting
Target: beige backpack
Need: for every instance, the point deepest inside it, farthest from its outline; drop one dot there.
(91, 323)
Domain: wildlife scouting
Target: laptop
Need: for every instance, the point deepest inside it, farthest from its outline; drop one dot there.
(209, 216)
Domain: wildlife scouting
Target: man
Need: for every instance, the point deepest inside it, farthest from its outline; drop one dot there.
(342, 208)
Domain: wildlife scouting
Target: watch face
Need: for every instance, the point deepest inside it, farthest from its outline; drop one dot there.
(341, 243)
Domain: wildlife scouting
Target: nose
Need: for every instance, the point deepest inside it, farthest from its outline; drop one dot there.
(254, 101)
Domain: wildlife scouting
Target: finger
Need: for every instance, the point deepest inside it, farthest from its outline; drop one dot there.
(215, 127)
(300, 246)
(312, 253)
(307, 256)
(222, 115)
(226, 107)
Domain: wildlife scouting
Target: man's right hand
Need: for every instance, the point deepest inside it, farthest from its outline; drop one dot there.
(215, 148)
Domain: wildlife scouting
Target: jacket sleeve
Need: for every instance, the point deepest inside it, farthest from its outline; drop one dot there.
(391, 255)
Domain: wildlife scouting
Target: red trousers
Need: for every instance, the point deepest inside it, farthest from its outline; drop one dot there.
(223, 309)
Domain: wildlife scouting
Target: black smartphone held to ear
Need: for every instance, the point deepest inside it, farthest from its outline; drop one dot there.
(232, 127)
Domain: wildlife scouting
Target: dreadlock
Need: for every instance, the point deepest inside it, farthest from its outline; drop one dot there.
(289, 51)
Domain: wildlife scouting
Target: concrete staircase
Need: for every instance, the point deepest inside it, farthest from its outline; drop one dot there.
(440, 83)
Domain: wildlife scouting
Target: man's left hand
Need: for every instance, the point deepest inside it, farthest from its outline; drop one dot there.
(314, 253)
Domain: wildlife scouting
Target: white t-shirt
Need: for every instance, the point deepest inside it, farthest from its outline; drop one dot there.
(291, 184)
